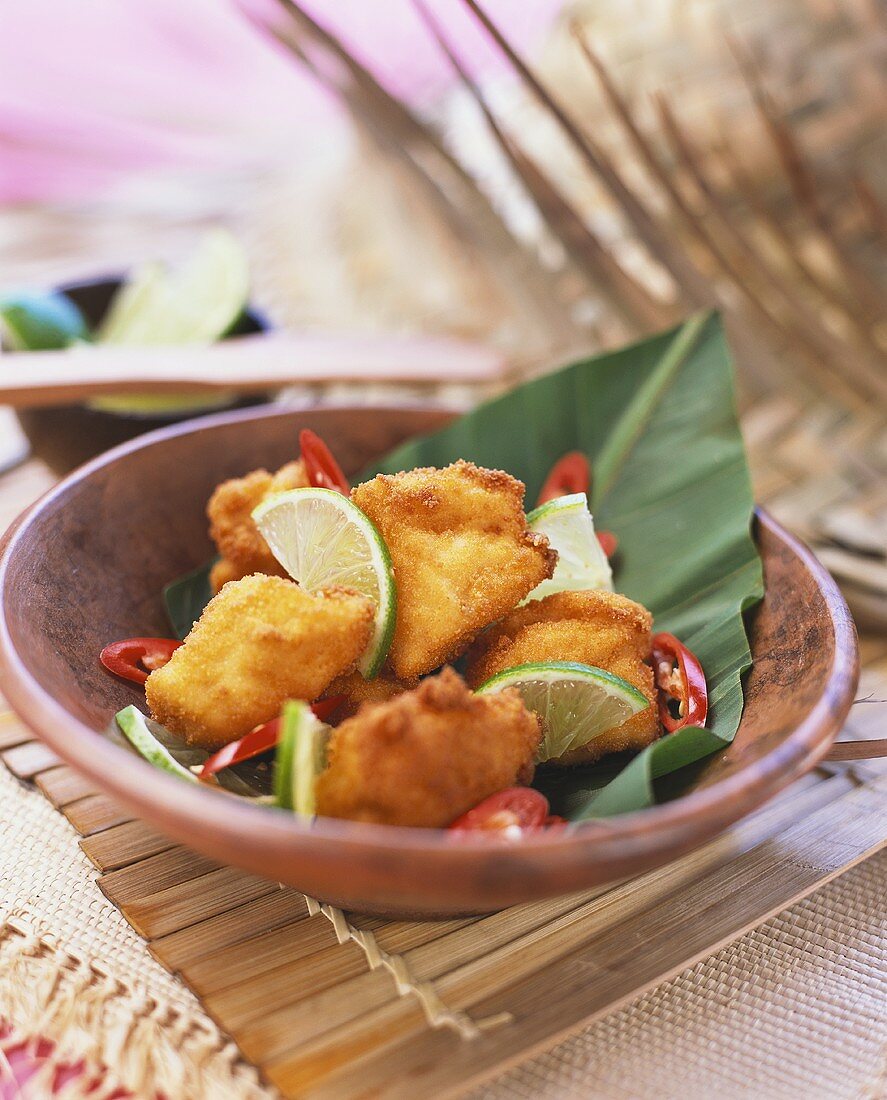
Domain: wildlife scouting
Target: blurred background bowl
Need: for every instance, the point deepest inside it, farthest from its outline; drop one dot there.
(65, 436)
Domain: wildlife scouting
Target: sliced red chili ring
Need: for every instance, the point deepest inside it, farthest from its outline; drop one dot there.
(261, 739)
(516, 808)
(134, 658)
(683, 693)
(257, 741)
(570, 474)
(320, 465)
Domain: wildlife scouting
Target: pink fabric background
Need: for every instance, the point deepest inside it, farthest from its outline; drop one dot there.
(93, 90)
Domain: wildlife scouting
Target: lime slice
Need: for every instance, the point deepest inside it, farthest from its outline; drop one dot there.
(195, 305)
(575, 702)
(322, 540)
(39, 322)
(581, 563)
(135, 726)
(301, 757)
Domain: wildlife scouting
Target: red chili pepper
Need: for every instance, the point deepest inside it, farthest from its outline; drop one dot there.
(520, 808)
(323, 708)
(260, 740)
(609, 542)
(323, 470)
(134, 658)
(681, 684)
(570, 474)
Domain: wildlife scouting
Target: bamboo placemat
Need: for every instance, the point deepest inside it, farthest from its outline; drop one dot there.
(330, 1005)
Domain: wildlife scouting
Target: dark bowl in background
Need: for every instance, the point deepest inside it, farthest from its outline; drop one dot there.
(65, 436)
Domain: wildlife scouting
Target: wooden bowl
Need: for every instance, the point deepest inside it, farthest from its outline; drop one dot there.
(86, 564)
(63, 436)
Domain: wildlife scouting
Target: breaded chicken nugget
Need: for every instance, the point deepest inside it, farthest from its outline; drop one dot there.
(427, 756)
(242, 548)
(462, 556)
(357, 691)
(592, 627)
(260, 641)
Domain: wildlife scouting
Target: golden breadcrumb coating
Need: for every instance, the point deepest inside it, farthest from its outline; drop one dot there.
(593, 627)
(357, 691)
(427, 756)
(260, 641)
(462, 555)
(242, 548)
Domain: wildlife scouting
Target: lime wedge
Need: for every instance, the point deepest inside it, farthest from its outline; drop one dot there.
(143, 294)
(301, 757)
(323, 540)
(581, 563)
(575, 702)
(40, 322)
(195, 305)
(137, 731)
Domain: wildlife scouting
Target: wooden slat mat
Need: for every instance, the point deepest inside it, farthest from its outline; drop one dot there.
(335, 1005)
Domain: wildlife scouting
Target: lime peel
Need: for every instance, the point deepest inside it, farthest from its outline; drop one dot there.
(324, 540)
(135, 727)
(300, 758)
(576, 702)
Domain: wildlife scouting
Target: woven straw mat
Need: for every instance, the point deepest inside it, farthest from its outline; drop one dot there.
(795, 1008)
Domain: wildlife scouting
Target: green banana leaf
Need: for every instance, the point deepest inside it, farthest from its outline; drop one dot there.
(658, 422)
(186, 598)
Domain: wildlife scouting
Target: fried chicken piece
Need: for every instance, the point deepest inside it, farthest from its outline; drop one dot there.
(462, 556)
(427, 756)
(592, 627)
(260, 641)
(357, 691)
(243, 549)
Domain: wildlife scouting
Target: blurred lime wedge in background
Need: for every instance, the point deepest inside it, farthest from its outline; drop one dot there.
(198, 303)
(143, 293)
(38, 321)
